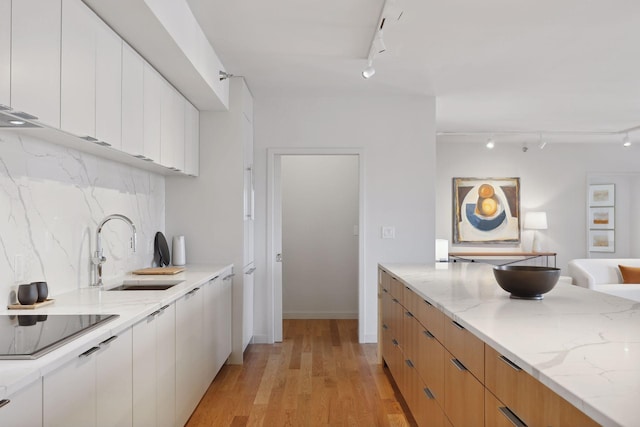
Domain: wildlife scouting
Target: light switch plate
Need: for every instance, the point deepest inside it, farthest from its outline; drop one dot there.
(388, 232)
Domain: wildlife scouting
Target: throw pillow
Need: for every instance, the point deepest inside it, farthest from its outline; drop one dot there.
(629, 274)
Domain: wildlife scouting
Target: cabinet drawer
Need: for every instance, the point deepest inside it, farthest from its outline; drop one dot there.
(430, 317)
(421, 402)
(397, 290)
(497, 414)
(410, 300)
(430, 363)
(518, 390)
(463, 395)
(385, 280)
(465, 346)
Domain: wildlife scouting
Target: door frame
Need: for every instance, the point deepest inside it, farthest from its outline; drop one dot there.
(274, 273)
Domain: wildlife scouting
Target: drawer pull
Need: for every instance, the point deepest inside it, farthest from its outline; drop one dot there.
(427, 302)
(395, 300)
(154, 314)
(229, 276)
(163, 308)
(428, 334)
(517, 422)
(4, 402)
(408, 314)
(395, 341)
(458, 365)
(409, 363)
(384, 326)
(457, 325)
(108, 340)
(384, 290)
(429, 393)
(510, 363)
(89, 352)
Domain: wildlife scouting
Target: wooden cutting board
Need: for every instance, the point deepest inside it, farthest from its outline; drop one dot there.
(159, 270)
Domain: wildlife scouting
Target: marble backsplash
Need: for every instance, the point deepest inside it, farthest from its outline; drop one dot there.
(51, 200)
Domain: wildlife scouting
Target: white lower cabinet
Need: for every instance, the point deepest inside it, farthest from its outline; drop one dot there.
(220, 322)
(94, 389)
(154, 369)
(23, 408)
(189, 353)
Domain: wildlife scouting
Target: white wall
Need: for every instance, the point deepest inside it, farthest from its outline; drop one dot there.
(319, 212)
(51, 201)
(552, 180)
(398, 138)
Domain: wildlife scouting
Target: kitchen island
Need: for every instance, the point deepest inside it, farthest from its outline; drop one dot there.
(149, 365)
(583, 346)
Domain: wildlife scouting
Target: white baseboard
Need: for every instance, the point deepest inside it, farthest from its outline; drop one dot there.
(261, 339)
(319, 315)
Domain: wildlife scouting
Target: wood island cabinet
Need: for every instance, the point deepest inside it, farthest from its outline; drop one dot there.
(450, 377)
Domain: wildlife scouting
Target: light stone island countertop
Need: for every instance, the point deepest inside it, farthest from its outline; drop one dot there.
(131, 306)
(584, 345)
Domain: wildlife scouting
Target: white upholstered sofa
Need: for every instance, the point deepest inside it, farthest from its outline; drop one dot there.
(603, 275)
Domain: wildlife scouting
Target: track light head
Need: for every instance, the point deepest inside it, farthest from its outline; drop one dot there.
(378, 43)
(626, 141)
(224, 75)
(490, 143)
(369, 71)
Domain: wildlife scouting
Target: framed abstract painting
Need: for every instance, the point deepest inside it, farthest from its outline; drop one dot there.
(486, 210)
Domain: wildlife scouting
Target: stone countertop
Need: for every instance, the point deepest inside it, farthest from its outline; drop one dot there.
(582, 344)
(131, 306)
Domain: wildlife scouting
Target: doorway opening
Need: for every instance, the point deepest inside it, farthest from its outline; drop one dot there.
(315, 240)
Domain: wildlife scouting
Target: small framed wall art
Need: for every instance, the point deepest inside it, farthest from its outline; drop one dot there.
(601, 241)
(602, 195)
(602, 218)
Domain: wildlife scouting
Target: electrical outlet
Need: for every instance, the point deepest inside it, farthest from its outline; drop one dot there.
(388, 232)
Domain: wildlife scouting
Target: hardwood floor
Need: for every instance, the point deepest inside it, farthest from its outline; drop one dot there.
(318, 376)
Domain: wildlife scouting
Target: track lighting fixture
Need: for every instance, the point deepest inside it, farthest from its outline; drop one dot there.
(369, 71)
(626, 141)
(490, 143)
(378, 43)
(224, 75)
(542, 143)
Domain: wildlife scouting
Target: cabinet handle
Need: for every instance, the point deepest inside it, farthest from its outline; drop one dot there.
(429, 393)
(409, 363)
(428, 334)
(108, 340)
(427, 302)
(193, 291)
(457, 325)
(229, 276)
(89, 352)
(250, 271)
(163, 308)
(384, 326)
(155, 313)
(395, 300)
(408, 314)
(510, 363)
(4, 402)
(384, 290)
(458, 365)
(395, 341)
(517, 422)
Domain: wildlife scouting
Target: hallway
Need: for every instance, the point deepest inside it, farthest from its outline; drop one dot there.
(318, 376)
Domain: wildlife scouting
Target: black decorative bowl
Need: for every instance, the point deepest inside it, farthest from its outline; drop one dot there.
(526, 282)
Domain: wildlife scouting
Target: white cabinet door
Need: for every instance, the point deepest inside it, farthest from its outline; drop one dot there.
(189, 350)
(132, 101)
(145, 384)
(78, 75)
(166, 366)
(113, 381)
(23, 408)
(35, 59)
(153, 85)
(247, 311)
(5, 53)
(212, 294)
(69, 393)
(191, 140)
(222, 322)
(108, 85)
(172, 128)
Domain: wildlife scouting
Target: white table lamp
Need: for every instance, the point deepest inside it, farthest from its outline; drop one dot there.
(535, 221)
(442, 250)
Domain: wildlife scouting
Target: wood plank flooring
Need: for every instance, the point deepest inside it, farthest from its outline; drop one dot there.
(318, 376)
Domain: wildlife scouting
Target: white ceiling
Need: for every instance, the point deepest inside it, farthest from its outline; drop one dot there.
(493, 65)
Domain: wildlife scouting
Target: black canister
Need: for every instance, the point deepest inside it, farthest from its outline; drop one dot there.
(27, 294)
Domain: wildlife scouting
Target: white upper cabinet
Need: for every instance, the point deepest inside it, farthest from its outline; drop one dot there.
(153, 84)
(132, 101)
(5, 52)
(108, 85)
(172, 128)
(191, 140)
(35, 59)
(78, 84)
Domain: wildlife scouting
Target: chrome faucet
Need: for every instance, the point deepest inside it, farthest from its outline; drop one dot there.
(99, 258)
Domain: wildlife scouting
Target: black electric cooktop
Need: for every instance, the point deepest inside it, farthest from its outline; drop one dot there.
(33, 335)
